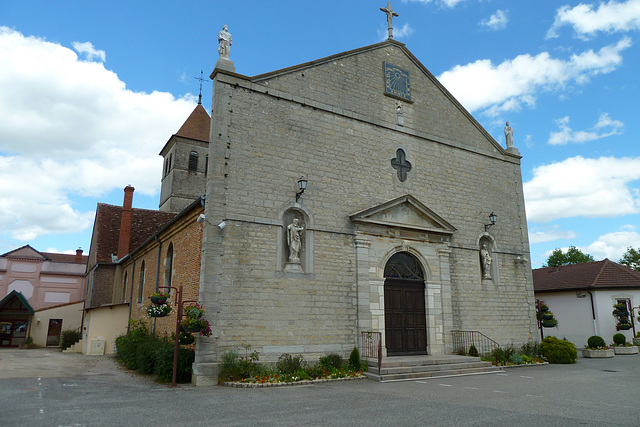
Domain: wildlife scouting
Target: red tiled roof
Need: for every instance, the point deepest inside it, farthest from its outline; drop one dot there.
(197, 125)
(57, 257)
(144, 224)
(604, 274)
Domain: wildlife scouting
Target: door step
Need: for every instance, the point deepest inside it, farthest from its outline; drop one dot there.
(425, 367)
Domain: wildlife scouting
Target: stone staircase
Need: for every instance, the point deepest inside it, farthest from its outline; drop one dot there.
(76, 348)
(425, 367)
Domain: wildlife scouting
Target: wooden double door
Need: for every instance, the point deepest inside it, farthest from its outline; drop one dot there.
(405, 317)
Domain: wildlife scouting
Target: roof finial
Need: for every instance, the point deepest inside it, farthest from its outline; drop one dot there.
(390, 14)
(202, 79)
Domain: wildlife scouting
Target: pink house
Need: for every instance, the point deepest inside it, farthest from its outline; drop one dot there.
(32, 282)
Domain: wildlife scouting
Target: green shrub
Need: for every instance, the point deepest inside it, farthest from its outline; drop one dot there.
(516, 359)
(558, 351)
(531, 349)
(163, 367)
(354, 359)
(289, 365)
(69, 337)
(332, 360)
(147, 353)
(473, 351)
(596, 342)
(619, 339)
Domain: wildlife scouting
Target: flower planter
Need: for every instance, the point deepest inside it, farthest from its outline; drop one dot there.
(625, 349)
(547, 316)
(625, 326)
(190, 328)
(158, 300)
(158, 314)
(548, 324)
(636, 341)
(598, 354)
(186, 338)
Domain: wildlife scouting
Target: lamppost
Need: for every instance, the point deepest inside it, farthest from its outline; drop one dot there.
(176, 347)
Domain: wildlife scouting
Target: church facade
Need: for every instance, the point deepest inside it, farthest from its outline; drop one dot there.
(392, 233)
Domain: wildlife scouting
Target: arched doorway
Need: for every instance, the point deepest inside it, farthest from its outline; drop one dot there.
(404, 306)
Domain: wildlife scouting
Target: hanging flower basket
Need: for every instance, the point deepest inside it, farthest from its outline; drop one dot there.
(194, 311)
(186, 338)
(549, 323)
(547, 316)
(158, 310)
(195, 324)
(544, 308)
(625, 326)
(159, 298)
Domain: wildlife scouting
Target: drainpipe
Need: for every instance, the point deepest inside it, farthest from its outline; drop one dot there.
(153, 327)
(593, 315)
(133, 278)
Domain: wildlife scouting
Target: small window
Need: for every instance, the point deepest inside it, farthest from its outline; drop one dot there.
(124, 287)
(141, 284)
(168, 267)
(193, 161)
(206, 164)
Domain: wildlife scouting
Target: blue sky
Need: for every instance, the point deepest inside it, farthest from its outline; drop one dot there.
(91, 91)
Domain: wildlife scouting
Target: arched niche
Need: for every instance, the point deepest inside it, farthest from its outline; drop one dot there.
(304, 220)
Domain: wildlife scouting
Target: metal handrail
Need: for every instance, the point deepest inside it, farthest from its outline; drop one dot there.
(462, 340)
(371, 346)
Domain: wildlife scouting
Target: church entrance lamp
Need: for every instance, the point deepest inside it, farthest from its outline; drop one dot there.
(493, 218)
(302, 185)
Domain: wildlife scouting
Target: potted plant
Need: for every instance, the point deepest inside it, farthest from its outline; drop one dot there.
(546, 317)
(621, 346)
(158, 310)
(159, 298)
(196, 324)
(196, 311)
(185, 338)
(621, 313)
(596, 348)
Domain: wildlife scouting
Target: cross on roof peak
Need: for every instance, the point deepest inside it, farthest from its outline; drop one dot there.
(390, 14)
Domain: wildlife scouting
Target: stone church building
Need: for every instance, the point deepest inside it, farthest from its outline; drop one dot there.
(387, 231)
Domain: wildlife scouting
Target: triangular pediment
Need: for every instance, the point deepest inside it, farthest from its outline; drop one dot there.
(25, 252)
(404, 212)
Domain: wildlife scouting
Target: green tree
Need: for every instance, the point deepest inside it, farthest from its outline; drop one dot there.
(572, 256)
(631, 258)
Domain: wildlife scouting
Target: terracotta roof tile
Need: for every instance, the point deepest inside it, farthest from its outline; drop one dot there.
(57, 257)
(144, 224)
(197, 125)
(589, 275)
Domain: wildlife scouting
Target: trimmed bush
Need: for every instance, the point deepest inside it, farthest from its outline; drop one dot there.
(619, 339)
(69, 337)
(558, 351)
(516, 359)
(139, 350)
(596, 342)
(354, 359)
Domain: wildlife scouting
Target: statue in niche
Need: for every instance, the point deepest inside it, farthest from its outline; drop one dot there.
(294, 241)
(224, 42)
(485, 259)
(399, 117)
(508, 135)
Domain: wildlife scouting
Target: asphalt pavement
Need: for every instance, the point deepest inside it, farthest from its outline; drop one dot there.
(60, 389)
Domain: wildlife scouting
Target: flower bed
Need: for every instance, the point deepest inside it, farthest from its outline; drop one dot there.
(625, 349)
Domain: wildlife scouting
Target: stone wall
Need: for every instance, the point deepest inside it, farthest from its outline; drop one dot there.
(330, 122)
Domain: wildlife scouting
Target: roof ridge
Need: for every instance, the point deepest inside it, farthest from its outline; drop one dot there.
(595, 280)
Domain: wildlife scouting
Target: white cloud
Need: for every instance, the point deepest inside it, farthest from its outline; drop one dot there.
(497, 21)
(508, 86)
(446, 3)
(549, 234)
(71, 128)
(402, 32)
(91, 52)
(607, 17)
(603, 128)
(613, 245)
(583, 187)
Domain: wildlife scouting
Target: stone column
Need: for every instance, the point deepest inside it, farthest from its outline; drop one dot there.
(362, 277)
(447, 306)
